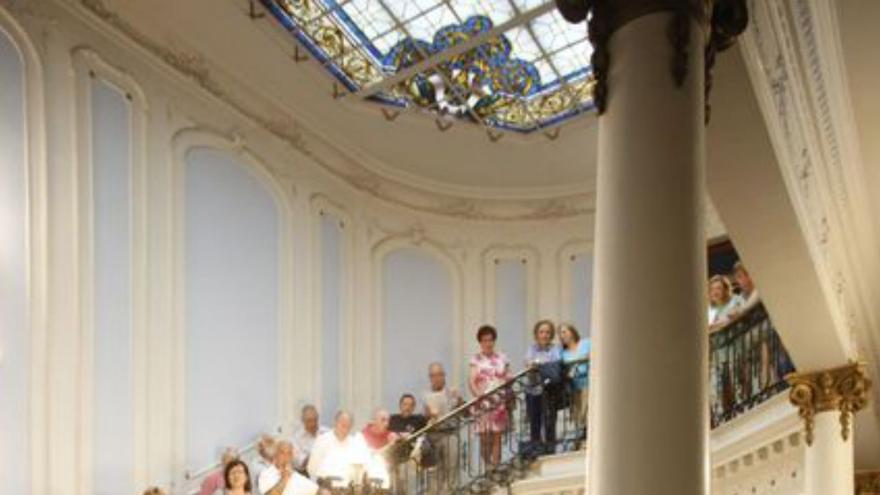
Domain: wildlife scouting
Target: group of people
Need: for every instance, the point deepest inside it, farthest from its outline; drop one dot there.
(725, 303)
(295, 465)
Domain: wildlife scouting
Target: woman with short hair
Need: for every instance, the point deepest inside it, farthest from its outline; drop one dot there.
(488, 369)
(540, 410)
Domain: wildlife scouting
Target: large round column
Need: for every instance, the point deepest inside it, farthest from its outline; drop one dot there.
(649, 421)
(827, 400)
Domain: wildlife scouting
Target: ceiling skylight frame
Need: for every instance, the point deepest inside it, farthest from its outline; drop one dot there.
(555, 101)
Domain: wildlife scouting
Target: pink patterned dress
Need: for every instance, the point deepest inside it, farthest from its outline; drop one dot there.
(487, 372)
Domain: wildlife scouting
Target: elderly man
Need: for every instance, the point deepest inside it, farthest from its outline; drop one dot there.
(266, 451)
(305, 436)
(336, 451)
(440, 400)
(376, 434)
(281, 479)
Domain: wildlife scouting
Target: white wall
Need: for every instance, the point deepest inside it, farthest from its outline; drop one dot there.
(332, 296)
(511, 310)
(232, 306)
(14, 332)
(581, 268)
(418, 322)
(113, 374)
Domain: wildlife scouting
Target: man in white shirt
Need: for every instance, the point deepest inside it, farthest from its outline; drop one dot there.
(439, 401)
(336, 452)
(266, 451)
(305, 436)
(281, 479)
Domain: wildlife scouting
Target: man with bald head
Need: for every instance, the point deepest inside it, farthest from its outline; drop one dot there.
(281, 479)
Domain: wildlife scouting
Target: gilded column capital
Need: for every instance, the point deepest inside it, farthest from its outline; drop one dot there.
(843, 389)
(721, 20)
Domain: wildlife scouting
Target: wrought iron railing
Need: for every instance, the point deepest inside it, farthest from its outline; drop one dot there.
(747, 365)
(445, 457)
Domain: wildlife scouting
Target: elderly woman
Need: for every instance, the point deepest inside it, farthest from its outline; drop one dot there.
(723, 303)
(236, 479)
(488, 369)
(541, 412)
(574, 348)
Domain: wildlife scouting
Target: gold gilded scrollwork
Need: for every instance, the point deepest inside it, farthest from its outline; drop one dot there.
(843, 389)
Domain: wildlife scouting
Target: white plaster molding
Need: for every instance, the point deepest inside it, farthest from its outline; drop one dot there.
(290, 365)
(414, 238)
(565, 256)
(794, 58)
(321, 205)
(37, 239)
(87, 65)
(530, 257)
(346, 164)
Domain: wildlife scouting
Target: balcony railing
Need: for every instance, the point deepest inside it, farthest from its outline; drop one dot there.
(747, 365)
(445, 457)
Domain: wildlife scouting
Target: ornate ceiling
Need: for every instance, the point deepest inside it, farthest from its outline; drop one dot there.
(502, 64)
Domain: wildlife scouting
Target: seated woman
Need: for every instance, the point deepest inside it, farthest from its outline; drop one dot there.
(574, 348)
(541, 412)
(488, 370)
(236, 478)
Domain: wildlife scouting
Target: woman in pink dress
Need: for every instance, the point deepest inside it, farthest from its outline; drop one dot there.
(489, 369)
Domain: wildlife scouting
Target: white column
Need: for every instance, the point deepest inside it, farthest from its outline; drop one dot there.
(649, 428)
(829, 463)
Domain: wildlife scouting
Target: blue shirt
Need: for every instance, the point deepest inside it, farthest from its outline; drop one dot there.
(581, 373)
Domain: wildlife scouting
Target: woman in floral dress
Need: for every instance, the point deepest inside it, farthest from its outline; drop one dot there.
(489, 369)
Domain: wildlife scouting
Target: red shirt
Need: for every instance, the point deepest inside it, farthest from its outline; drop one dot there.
(376, 440)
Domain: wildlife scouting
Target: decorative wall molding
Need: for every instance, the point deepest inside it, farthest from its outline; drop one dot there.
(37, 224)
(323, 205)
(530, 257)
(564, 257)
(333, 158)
(414, 239)
(290, 365)
(794, 57)
(89, 65)
(761, 452)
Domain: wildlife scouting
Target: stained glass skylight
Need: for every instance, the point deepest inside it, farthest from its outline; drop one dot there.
(509, 64)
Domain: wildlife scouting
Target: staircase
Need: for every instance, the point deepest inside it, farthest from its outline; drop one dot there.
(558, 474)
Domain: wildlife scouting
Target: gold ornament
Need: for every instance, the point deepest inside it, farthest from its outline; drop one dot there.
(843, 389)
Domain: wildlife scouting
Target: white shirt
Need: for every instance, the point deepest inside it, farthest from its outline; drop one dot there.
(259, 465)
(303, 442)
(333, 457)
(296, 485)
(440, 402)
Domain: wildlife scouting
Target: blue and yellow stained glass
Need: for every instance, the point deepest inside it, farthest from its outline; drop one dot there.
(508, 64)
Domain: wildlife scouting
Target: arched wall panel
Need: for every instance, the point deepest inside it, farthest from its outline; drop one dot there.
(111, 150)
(418, 321)
(232, 305)
(332, 241)
(512, 309)
(15, 348)
(581, 280)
